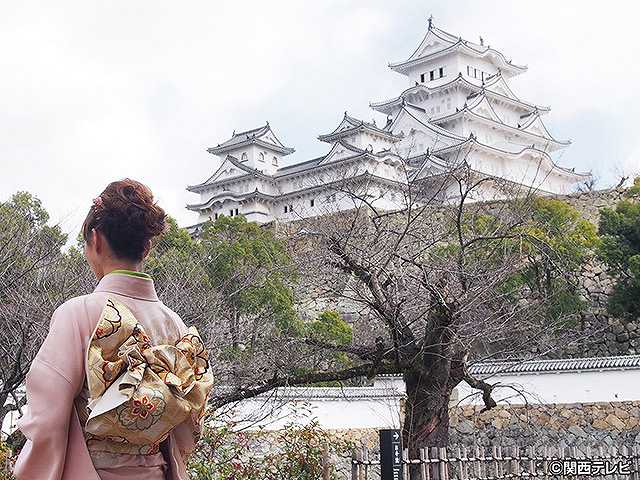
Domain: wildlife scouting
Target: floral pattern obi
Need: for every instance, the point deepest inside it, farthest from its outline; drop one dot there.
(136, 392)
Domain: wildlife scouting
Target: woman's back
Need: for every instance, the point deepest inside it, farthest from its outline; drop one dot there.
(119, 386)
(137, 292)
(113, 458)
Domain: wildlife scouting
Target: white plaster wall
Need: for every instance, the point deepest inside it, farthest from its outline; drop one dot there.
(507, 113)
(254, 152)
(329, 201)
(256, 210)
(451, 69)
(366, 141)
(480, 63)
(294, 187)
(548, 387)
(505, 138)
(528, 169)
(543, 388)
(9, 424)
(454, 63)
(568, 387)
(343, 413)
(410, 144)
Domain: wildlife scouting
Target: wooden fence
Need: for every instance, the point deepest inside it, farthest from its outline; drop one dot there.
(478, 463)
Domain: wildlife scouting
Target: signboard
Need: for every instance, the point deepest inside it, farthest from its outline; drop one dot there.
(390, 455)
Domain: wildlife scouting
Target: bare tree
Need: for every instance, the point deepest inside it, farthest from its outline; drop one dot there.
(34, 279)
(444, 281)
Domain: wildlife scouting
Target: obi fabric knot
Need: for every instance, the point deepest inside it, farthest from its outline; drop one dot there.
(139, 391)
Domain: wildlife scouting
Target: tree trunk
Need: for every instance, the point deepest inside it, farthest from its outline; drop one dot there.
(426, 418)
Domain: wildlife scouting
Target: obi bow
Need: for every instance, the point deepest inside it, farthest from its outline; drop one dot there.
(138, 391)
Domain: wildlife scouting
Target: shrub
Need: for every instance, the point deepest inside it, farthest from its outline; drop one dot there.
(6, 461)
(294, 453)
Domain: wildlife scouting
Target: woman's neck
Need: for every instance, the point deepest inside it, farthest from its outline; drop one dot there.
(120, 266)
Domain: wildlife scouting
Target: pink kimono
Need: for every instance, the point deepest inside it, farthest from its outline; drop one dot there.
(56, 448)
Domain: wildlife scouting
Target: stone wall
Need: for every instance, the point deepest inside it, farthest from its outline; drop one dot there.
(583, 426)
(590, 203)
(608, 335)
(578, 425)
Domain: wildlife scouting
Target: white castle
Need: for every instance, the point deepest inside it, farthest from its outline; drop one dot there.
(459, 109)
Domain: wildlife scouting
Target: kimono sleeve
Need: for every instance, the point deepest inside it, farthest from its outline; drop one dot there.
(188, 433)
(52, 383)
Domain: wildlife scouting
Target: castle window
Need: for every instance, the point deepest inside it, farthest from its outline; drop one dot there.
(244, 157)
(231, 212)
(475, 73)
(261, 157)
(286, 209)
(275, 161)
(290, 208)
(441, 72)
(432, 74)
(468, 70)
(422, 77)
(236, 211)
(215, 216)
(312, 202)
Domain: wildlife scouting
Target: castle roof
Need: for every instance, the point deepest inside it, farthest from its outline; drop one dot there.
(332, 157)
(494, 87)
(473, 143)
(351, 125)
(555, 365)
(299, 167)
(229, 195)
(213, 179)
(480, 108)
(437, 43)
(263, 136)
(420, 115)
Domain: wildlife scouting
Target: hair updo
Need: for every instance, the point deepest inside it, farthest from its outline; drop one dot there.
(127, 216)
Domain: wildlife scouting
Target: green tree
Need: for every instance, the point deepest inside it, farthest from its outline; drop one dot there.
(253, 272)
(558, 241)
(178, 265)
(27, 242)
(620, 251)
(330, 328)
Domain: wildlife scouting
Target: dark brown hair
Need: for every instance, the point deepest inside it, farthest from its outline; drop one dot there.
(128, 217)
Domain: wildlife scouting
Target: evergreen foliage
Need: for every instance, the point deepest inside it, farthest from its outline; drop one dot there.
(620, 251)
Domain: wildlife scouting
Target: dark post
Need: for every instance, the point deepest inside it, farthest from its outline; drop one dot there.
(390, 455)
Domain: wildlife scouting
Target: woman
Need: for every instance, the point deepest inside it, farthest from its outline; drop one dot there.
(118, 388)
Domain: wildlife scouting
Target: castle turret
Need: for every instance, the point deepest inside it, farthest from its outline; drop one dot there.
(258, 148)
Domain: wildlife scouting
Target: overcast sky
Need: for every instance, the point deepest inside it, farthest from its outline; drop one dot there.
(95, 91)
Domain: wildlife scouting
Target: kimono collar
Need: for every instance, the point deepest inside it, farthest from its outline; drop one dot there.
(128, 283)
